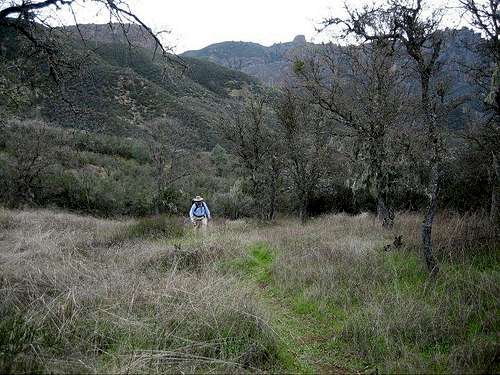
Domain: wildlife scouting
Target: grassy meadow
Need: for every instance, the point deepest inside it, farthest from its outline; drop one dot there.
(80, 294)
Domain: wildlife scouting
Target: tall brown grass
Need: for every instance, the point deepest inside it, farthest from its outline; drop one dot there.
(80, 294)
(77, 298)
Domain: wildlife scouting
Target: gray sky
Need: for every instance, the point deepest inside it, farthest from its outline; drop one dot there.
(195, 24)
(198, 23)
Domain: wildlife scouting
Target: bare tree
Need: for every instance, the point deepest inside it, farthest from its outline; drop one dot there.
(306, 139)
(423, 42)
(167, 150)
(254, 143)
(405, 23)
(360, 87)
(485, 16)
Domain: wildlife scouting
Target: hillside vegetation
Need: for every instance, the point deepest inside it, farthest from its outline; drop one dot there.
(81, 294)
(89, 135)
(114, 89)
(99, 123)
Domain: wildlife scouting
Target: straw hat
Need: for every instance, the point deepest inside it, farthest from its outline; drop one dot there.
(197, 199)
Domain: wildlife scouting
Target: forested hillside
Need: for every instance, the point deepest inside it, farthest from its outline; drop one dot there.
(96, 125)
(116, 93)
(118, 88)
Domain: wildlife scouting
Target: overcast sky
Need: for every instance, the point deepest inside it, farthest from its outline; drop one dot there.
(198, 23)
(195, 24)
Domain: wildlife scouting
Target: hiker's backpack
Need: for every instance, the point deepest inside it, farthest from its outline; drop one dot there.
(201, 204)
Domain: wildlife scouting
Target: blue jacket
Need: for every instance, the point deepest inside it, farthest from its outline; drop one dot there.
(199, 211)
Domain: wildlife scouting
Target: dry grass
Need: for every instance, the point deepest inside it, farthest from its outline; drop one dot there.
(81, 294)
(75, 299)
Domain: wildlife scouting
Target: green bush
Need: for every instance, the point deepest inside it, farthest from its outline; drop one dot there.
(112, 145)
(234, 204)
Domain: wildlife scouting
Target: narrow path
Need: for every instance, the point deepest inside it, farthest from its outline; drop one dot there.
(309, 338)
(311, 344)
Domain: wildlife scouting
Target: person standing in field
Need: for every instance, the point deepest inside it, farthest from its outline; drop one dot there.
(199, 213)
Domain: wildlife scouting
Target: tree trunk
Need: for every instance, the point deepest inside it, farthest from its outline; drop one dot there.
(494, 205)
(272, 199)
(275, 171)
(429, 219)
(384, 214)
(494, 212)
(158, 197)
(433, 187)
(303, 209)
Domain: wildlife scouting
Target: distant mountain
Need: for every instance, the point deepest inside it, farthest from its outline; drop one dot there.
(118, 88)
(269, 64)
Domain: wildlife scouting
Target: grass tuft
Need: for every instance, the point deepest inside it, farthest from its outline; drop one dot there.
(257, 263)
(6, 221)
(155, 227)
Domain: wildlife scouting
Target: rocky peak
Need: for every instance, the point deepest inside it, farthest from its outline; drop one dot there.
(299, 39)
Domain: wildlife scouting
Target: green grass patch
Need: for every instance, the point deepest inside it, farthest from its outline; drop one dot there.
(384, 312)
(412, 323)
(257, 263)
(16, 340)
(304, 305)
(308, 328)
(407, 270)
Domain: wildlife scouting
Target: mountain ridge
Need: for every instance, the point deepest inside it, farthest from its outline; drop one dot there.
(272, 64)
(268, 64)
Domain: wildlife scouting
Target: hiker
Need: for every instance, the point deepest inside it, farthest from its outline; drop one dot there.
(199, 213)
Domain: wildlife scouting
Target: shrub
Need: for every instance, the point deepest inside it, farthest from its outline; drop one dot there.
(5, 219)
(236, 203)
